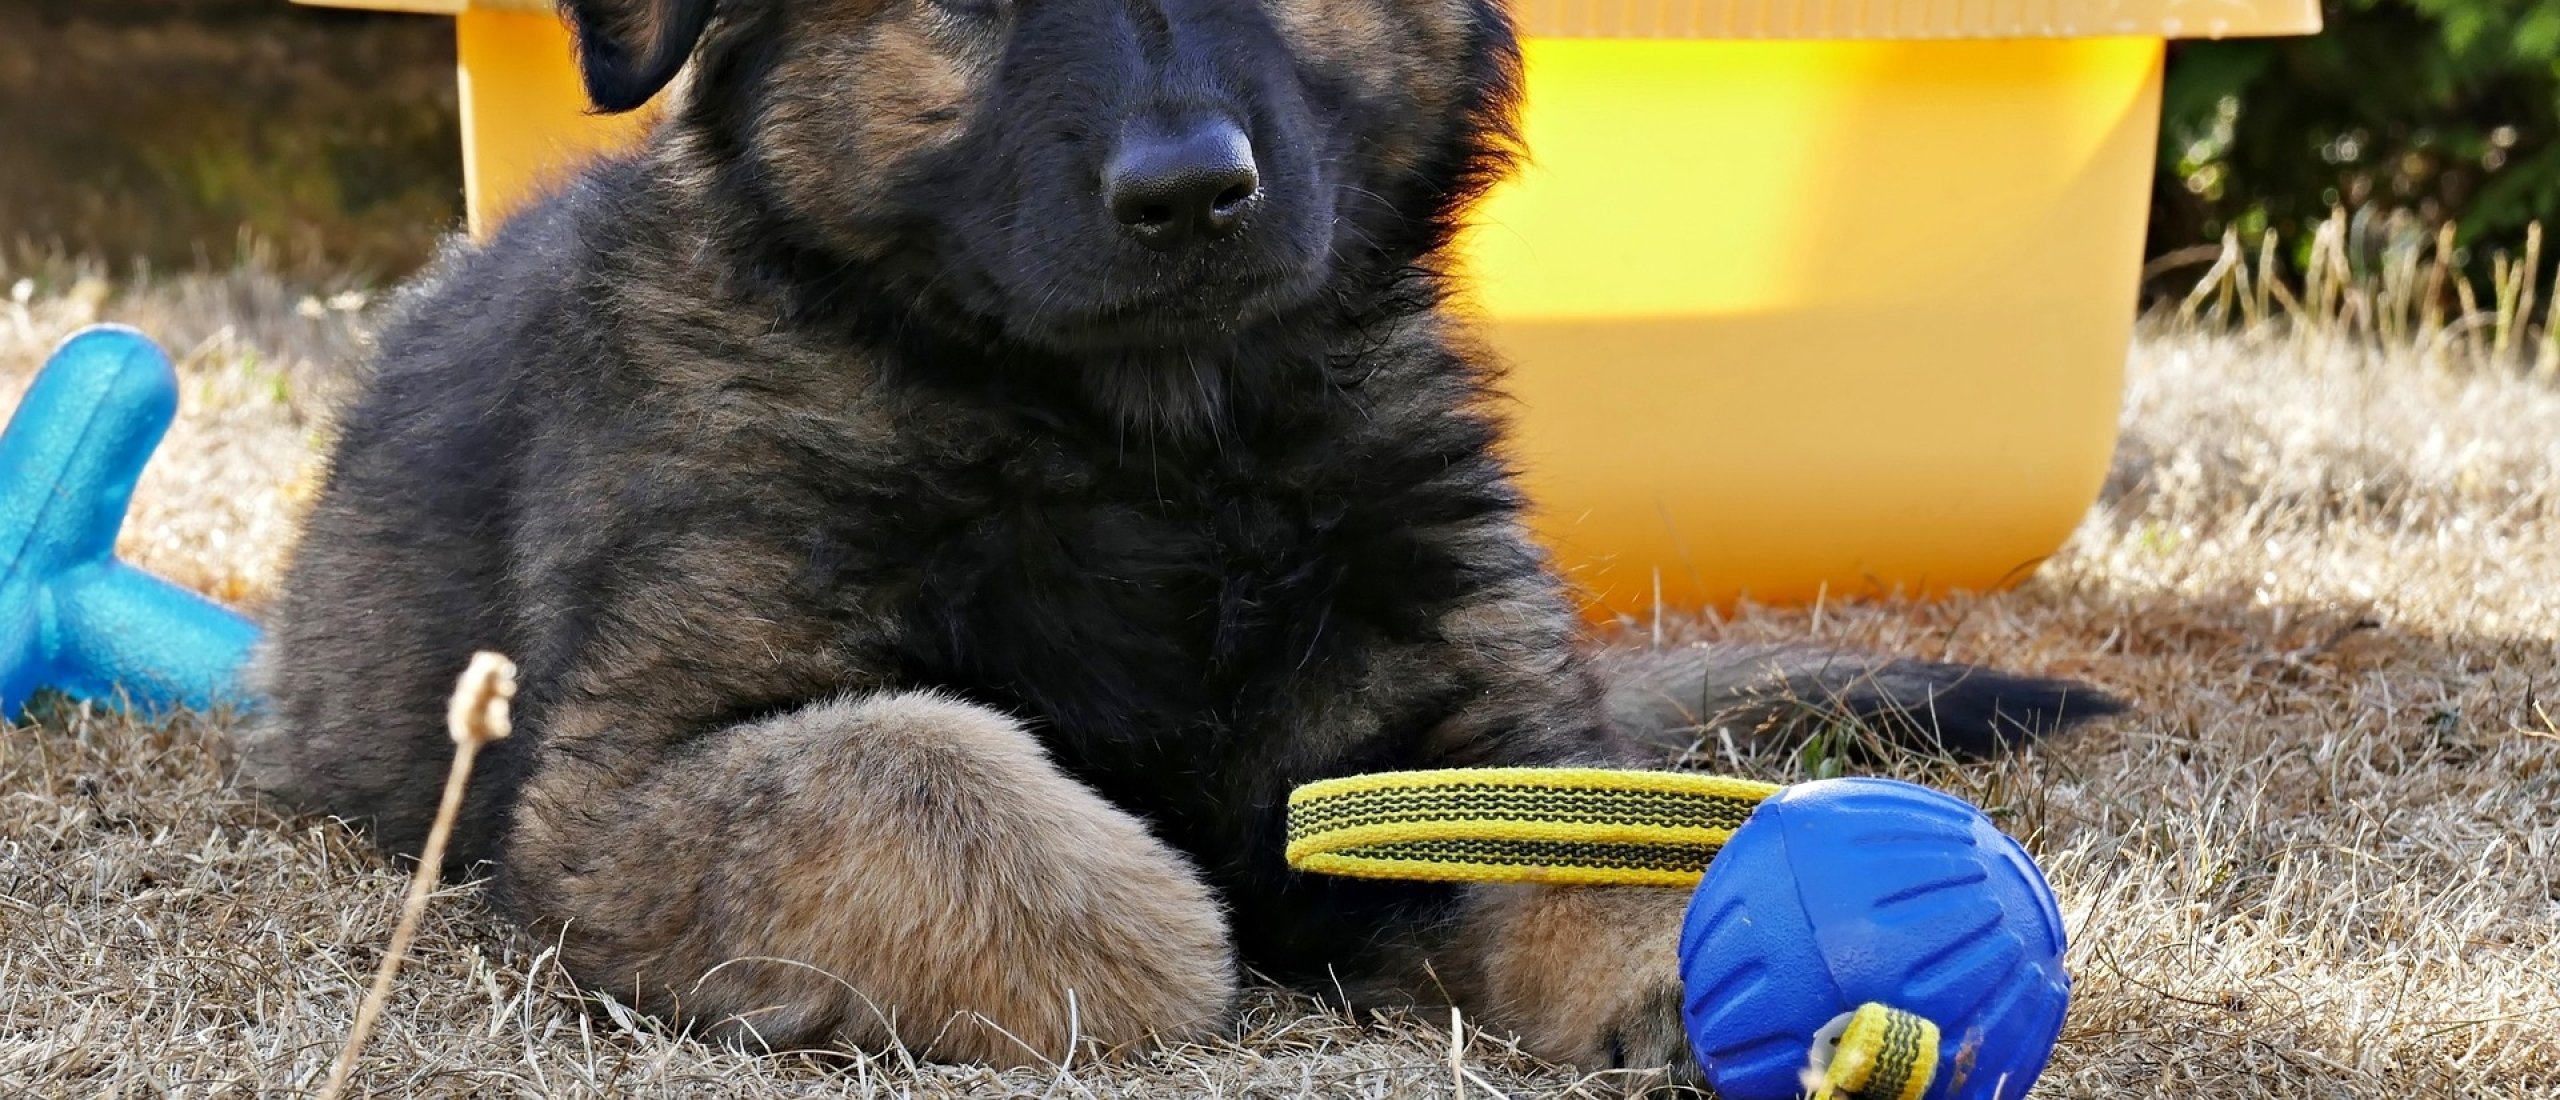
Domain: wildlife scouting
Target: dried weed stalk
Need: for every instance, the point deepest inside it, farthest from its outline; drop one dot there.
(476, 717)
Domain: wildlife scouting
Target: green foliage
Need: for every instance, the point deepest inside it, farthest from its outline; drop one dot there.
(2406, 113)
(176, 132)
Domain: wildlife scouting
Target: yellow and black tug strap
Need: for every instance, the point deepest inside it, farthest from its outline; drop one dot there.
(1886, 1054)
(1569, 826)
(1579, 827)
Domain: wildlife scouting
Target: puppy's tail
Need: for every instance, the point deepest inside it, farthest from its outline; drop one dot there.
(1769, 696)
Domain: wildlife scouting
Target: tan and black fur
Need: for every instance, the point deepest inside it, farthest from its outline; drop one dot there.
(926, 595)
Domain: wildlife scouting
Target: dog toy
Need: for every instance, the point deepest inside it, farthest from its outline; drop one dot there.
(72, 617)
(1860, 938)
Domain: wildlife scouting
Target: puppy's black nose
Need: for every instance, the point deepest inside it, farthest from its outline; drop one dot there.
(1175, 185)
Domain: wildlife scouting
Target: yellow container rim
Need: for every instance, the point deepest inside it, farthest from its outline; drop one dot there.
(1870, 20)
(1798, 19)
(438, 7)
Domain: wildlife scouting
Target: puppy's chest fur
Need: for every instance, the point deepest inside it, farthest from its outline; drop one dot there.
(1156, 605)
(1118, 595)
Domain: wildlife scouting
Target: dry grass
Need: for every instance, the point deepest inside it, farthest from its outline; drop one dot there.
(2322, 859)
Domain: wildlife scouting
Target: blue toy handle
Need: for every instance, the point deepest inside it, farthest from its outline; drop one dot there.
(72, 617)
(147, 639)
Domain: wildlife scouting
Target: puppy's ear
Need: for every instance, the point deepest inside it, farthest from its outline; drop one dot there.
(629, 49)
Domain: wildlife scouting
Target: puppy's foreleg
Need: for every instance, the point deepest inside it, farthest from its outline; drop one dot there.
(901, 867)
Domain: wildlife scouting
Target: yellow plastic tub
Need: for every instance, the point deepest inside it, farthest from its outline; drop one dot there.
(1798, 297)
(524, 113)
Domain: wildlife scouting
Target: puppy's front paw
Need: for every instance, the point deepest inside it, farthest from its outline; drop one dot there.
(1589, 977)
(1647, 1043)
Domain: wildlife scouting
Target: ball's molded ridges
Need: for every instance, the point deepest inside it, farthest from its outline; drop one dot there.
(1847, 891)
(1956, 876)
(1760, 946)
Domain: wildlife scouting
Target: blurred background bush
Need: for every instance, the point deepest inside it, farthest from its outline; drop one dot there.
(179, 132)
(2406, 114)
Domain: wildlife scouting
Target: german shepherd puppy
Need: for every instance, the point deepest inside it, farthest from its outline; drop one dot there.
(943, 492)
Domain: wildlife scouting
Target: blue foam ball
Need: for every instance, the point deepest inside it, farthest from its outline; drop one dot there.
(1847, 891)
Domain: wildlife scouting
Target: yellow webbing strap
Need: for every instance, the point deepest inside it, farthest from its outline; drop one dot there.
(1577, 827)
(1573, 826)
(1886, 1054)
